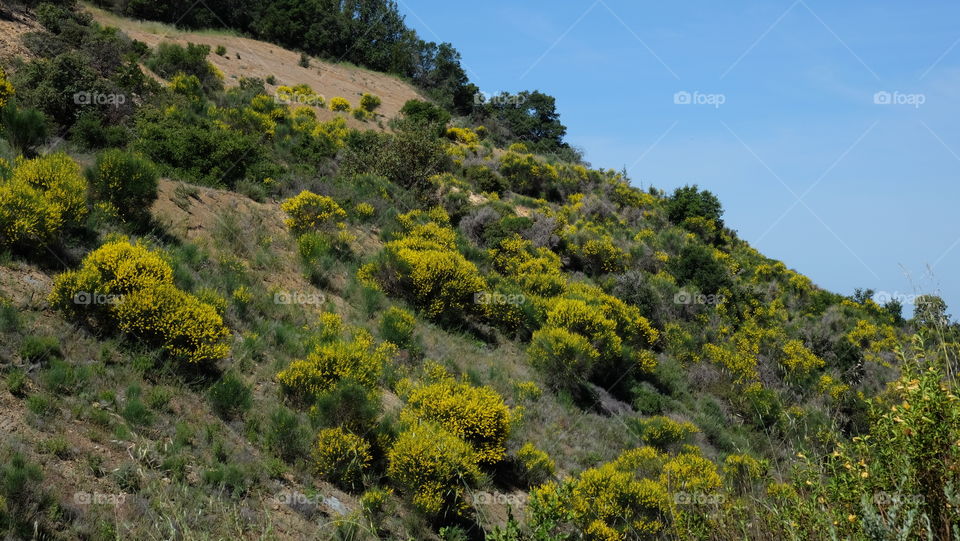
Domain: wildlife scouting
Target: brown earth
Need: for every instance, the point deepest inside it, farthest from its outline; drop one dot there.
(251, 58)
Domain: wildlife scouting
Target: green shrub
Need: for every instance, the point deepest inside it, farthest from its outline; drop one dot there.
(221, 50)
(198, 149)
(40, 349)
(169, 59)
(349, 405)
(397, 326)
(285, 435)
(24, 129)
(691, 202)
(230, 397)
(16, 381)
(127, 181)
(63, 377)
(90, 132)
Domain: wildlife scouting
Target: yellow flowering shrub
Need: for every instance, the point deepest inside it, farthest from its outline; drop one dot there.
(369, 102)
(526, 173)
(309, 211)
(301, 95)
(177, 321)
(662, 432)
(129, 286)
(40, 199)
(601, 256)
(742, 471)
(799, 360)
(692, 473)
(477, 415)
(373, 500)
(565, 359)
(536, 466)
(425, 266)
(341, 457)
(363, 211)
(463, 136)
(527, 390)
(589, 322)
(828, 385)
(608, 503)
(434, 467)
(6, 89)
(331, 362)
(186, 85)
(873, 339)
(339, 104)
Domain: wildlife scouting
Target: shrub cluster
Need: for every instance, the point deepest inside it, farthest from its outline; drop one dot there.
(41, 199)
(341, 457)
(127, 286)
(357, 360)
(435, 467)
(477, 415)
(309, 211)
(127, 181)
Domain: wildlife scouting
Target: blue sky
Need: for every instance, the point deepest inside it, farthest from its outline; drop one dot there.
(810, 168)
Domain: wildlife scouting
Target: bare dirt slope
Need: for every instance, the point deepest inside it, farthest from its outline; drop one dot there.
(251, 58)
(13, 25)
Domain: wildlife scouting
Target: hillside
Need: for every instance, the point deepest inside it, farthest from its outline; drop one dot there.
(229, 310)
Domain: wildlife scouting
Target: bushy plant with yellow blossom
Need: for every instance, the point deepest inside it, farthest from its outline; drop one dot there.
(798, 359)
(301, 95)
(309, 211)
(341, 457)
(526, 173)
(435, 467)
(339, 104)
(565, 359)
(536, 466)
(607, 503)
(662, 432)
(363, 211)
(41, 199)
(425, 266)
(130, 287)
(357, 359)
(6, 89)
(478, 415)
